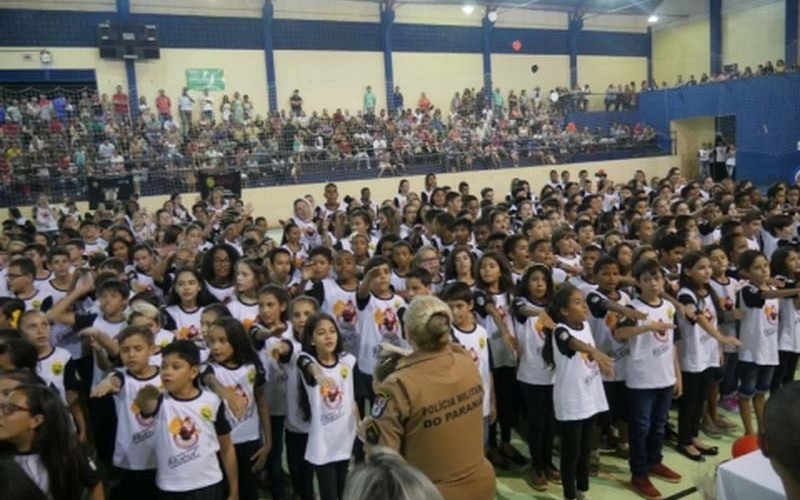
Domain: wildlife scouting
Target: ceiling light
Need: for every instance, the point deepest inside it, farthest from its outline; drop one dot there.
(652, 19)
(492, 15)
(468, 9)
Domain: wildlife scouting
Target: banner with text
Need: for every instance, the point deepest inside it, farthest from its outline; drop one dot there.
(201, 79)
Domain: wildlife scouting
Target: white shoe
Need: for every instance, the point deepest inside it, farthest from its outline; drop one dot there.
(583, 495)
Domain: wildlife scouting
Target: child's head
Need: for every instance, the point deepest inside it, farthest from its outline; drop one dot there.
(36, 328)
(462, 230)
(402, 254)
(751, 224)
(458, 296)
(536, 284)
(719, 259)
(16, 353)
(515, 248)
(494, 273)
(42, 414)
(649, 277)
(210, 314)
(136, 345)
(779, 438)
(281, 264)
(359, 244)
(427, 258)
(250, 276)
(228, 343)
(273, 304)
(589, 256)
(585, 231)
(564, 242)
(344, 265)
(568, 306)
(113, 296)
(671, 249)
(321, 336)
(180, 365)
(321, 259)
(755, 266)
(382, 282)
(460, 263)
(695, 270)
(541, 251)
(606, 273)
(785, 262)
(20, 276)
(145, 314)
(300, 309)
(418, 282)
(188, 287)
(37, 253)
(143, 258)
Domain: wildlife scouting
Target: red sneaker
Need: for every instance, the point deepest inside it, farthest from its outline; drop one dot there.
(661, 471)
(645, 488)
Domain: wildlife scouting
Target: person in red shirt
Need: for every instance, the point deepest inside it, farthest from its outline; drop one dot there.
(121, 105)
(164, 106)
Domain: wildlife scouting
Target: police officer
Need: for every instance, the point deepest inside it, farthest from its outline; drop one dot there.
(430, 408)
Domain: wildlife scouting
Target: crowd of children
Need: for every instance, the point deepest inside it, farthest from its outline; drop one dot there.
(194, 364)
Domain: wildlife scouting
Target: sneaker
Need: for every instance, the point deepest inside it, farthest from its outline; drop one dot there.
(552, 474)
(645, 488)
(583, 495)
(539, 480)
(725, 425)
(661, 471)
(730, 404)
(512, 454)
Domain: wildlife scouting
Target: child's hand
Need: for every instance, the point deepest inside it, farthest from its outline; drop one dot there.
(547, 321)
(731, 341)
(259, 458)
(92, 336)
(372, 274)
(326, 385)
(308, 270)
(677, 389)
(104, 388)
(605, 363)
(658, 326)
(634, 314)
(236, 403)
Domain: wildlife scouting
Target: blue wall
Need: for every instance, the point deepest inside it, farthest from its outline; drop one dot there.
(767, 111)
(23, 28)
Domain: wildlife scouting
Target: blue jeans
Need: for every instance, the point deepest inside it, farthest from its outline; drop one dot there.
(648, 414)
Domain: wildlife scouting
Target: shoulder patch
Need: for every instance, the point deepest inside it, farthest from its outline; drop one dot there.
(373, 433)
(379, 405)
(564, 335)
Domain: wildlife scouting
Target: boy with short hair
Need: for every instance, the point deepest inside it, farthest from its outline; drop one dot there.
(190, 429)
(585, 282)
(134, 447)
(21, 282)
(653, 377)
(418, 282)
(38, 254)
(473, 337)
(337, 297)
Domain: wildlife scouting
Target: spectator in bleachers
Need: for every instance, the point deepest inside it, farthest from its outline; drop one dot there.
(121, 105)
(369, 101)
(397, 99)
(296, 103)
(163, 106)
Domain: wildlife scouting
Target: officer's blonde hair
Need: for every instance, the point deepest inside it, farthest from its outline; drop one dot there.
(427, 323)
(385, 475)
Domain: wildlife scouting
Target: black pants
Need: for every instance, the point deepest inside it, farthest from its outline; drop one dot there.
(576, 447)
(134, 485)
(505, 380)
(274, 467)
(363, 393)
(690, 406)
(784, 374)
(301, 471)
(214, 492)
(541, 424)
(103, 425)
(618, 404)
(248, 481)
(331, 478)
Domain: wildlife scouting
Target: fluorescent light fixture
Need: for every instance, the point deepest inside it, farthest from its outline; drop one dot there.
(652, 19)
(468, 8)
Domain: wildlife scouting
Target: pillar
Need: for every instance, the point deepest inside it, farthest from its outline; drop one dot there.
(574, 31)
(387, 21)
(267, 17)
(715, 29)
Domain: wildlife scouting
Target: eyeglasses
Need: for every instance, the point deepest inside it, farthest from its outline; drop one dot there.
(7, 408)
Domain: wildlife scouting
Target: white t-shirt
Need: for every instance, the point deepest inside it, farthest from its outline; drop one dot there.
(476, 343)
(135, 444)
(378, 321)
(53, 367)
(578, 388)
(332, 429)
(697, 350)
(186, 441)
(531, 338)
(651, 362)
(277, 373)
(221, 294)
(243, 312)
(502, 355)
(726, 293)
(603, 323)
(245, 380)
(341, 304)
(758, 329)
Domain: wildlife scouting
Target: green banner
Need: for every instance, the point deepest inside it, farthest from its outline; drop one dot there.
(201, 79)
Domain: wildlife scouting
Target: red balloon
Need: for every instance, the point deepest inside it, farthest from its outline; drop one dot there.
(516, 45)
(744, 445)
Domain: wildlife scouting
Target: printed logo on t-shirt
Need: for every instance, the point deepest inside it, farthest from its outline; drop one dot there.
(57, 368)
(387, 321)
(145, 422)
(188, 332)
(251, 375)
(771, 313)
(36, 304)
(727, 304)
(344, 372)
(482, 342)
(332, 398)
(185, 433)
(612, 320)
(660, 335)
(345, 312)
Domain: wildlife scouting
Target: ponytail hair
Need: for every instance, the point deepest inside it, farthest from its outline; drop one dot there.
(558, 302)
